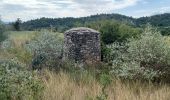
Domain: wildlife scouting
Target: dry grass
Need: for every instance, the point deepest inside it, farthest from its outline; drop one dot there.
(62, 87)
(20, 37)
(138, 91)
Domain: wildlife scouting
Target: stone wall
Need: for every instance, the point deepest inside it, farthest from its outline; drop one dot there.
(82, 45)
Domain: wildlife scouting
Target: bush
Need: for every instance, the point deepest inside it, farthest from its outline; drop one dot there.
(109, 33)
(105, 53)
(17, 24)
(117, 32)
(151, 50)
(7, 44)
(18, 83)
(2, 30)
(46, 49)
(146, 57)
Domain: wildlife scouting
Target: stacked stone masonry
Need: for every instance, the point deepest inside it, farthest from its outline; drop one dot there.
(82, 45)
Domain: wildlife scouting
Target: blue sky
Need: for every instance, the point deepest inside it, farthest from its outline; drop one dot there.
(10, 10)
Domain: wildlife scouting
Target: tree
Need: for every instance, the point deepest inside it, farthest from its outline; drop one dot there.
(109, 32)
(113, 31)
(2, 31)
(17, 24)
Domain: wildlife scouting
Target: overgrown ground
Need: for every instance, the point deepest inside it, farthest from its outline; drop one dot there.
(64, 85)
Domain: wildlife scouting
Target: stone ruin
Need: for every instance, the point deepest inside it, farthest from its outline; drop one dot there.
(82, 45)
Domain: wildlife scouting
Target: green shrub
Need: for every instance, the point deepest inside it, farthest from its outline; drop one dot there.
(17, 24)
(109, 32)
(112, 31)
(105, 53)
(105, 80)
(146, 57)
(151, 50)
(7, 44)
(46, 49)
(2, 32)
(17, 83)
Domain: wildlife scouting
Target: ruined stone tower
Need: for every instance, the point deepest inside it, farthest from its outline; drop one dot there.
(82, 45)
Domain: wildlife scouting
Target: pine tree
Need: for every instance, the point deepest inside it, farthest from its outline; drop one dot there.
(17, 24)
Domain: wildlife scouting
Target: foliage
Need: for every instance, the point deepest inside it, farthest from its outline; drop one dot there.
(105, 53)
(160, 20)
(104, 80)
(3, 36)
(164, 30)
(114, 32)
(117, 32)
(132, 70)
(151, 49)
(46, 49)
(63, 24)
(7, 44)
(17, 24)
(146, 57)
(109, 33)
(16, 82)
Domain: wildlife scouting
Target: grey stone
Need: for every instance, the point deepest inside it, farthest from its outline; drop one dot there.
(82, 45)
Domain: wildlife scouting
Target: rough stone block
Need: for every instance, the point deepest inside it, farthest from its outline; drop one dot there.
(82, 45)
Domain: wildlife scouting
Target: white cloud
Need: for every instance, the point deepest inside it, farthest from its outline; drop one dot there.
(30, 9)
(150, 12)
(164, 9)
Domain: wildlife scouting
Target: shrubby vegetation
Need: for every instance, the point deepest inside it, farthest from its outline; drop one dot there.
(3, 36)
(17, 24)
(16, 82)
(114, 32)
(146, 57)
(165, 31)
(46, 49)
(117, 32)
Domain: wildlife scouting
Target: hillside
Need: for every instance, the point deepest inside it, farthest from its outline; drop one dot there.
(162, 21)
(69, 22)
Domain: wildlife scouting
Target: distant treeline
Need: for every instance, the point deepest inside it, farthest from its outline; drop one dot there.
(161, 21)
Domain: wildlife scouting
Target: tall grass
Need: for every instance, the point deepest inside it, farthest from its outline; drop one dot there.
(63, 87)
(20, 37)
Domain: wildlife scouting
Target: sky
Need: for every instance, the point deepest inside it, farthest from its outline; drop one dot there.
(10, 10)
